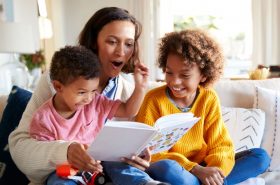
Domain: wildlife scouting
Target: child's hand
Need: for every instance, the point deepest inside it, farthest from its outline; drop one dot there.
(141, 74)
(78, 157)
(208, 175)
(141, 162)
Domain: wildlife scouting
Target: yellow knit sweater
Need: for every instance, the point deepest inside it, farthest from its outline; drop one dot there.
(207, 141)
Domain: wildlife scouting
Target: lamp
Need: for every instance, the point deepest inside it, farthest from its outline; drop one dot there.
(15, 38)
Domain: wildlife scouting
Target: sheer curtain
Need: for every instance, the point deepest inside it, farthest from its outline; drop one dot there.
(146, 11)
(156, 19)
(266, 32)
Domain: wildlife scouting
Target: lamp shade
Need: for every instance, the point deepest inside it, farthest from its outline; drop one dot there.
(16, 38)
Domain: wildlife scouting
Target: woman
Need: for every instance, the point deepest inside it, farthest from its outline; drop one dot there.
(112, 33)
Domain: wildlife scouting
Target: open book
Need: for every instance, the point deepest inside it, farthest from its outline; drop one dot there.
(126, 138)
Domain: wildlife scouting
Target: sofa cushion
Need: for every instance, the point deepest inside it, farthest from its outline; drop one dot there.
(240, 93)
(17, 101)
(269, 101)
(246, 126)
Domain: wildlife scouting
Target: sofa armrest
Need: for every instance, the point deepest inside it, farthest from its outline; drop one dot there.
(3, 103)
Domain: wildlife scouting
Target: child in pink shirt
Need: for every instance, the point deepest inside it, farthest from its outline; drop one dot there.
(77, 111)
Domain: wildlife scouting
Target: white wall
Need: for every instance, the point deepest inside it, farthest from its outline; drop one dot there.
(23, 12)
(27, 12)
(70, 16)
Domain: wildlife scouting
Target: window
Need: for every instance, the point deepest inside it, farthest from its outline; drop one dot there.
(229, 21)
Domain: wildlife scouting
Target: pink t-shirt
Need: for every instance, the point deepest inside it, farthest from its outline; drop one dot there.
(48, 125)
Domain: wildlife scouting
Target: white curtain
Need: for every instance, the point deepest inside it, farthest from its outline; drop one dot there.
(266, 32)
(146, 11)
(156, 20)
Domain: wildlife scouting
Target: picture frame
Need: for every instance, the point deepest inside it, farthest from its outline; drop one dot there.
(6, 11)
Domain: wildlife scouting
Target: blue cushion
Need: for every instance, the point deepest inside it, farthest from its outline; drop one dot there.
(17, 101)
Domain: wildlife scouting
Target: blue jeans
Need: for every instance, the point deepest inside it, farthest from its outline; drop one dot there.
(124, 174)
(249, 163)
(163, 170)
(53, 179)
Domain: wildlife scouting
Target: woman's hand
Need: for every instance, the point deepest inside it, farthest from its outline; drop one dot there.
(208, 175)
(78, 157)
(141, 162)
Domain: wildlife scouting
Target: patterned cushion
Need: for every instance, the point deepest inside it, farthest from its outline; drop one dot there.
(246, 126)
(269, 101)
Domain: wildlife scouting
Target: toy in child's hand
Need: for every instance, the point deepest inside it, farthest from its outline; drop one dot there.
(84, 177)
(65, 170)
(93, 178)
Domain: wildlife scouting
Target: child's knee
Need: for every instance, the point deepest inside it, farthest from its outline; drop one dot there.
(262, 157)
(171, 171)
(168, 166)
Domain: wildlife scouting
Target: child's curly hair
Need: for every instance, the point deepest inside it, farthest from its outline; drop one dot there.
(195, 46)
(72, 62)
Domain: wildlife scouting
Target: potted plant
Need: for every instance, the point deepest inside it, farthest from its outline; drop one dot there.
(32, 61)
(35, 64)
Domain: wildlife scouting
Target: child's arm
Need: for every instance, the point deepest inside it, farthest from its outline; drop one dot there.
(131, 107)
(141, 162)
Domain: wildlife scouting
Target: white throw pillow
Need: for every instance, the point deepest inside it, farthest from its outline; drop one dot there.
(245, 126)
(269, 101)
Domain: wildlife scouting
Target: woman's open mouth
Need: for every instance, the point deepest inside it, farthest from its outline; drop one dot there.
(117, 63)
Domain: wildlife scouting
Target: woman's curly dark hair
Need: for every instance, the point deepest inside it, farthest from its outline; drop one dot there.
(195, 46)
(72, 62)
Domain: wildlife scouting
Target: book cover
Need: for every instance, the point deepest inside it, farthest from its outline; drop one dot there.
(126, 138)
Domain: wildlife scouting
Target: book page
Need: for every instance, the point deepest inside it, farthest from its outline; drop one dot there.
(171, 129)
(173, 119)
(129, 124)
(120, 139)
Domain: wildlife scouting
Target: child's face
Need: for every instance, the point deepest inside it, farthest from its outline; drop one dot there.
(78, 93)
(181, 78)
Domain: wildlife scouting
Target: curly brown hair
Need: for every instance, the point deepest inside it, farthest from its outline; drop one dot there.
(72, 62)
(195, 46)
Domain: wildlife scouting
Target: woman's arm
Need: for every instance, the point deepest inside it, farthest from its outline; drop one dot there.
(36, 159)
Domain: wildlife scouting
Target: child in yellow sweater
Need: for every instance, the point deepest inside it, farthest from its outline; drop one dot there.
(192, 61)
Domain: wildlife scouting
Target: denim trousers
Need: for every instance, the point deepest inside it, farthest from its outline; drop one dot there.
(249, 163)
